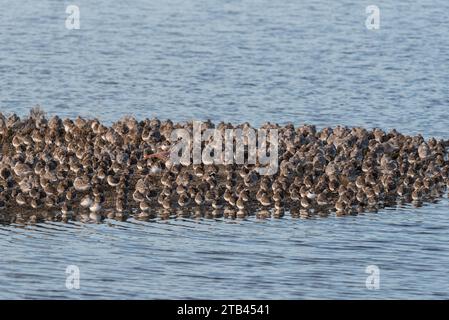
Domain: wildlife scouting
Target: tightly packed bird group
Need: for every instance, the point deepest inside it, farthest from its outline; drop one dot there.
(63, 169)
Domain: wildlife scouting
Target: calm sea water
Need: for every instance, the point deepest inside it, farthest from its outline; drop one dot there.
(235, 61)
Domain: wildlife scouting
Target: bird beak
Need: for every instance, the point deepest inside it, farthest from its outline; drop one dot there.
(160, 155)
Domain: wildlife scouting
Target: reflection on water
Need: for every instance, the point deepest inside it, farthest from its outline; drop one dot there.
(22, 217)
(235, 61)
(224, 258)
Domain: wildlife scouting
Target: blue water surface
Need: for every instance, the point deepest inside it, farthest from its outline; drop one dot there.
(282, 61)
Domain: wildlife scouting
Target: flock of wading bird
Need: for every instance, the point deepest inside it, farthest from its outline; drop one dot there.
(83, 170)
